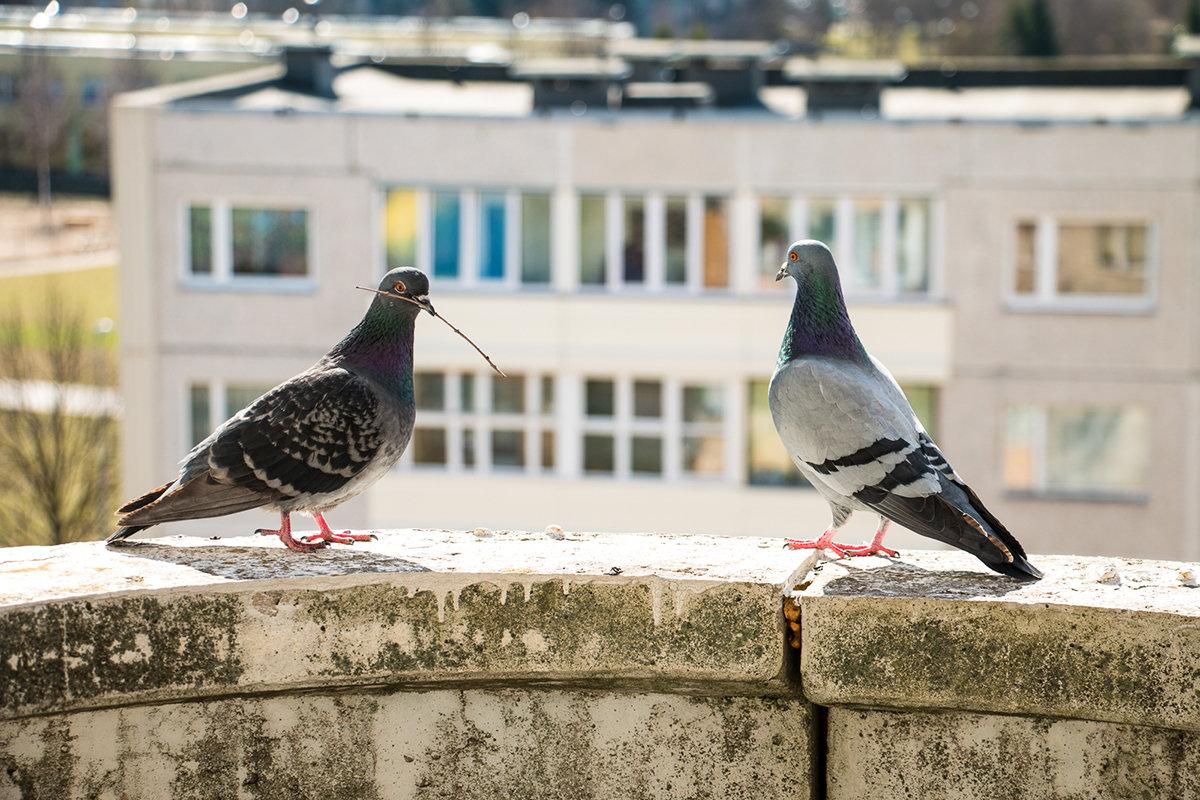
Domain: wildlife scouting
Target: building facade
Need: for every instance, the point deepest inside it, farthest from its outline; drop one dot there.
(1031, 285)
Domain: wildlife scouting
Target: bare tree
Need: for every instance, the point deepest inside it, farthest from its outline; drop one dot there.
(58, 432)
(42, 108)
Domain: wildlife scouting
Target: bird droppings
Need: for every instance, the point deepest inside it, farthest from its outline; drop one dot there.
(1188, 577)
(1107, 574)
(482, 533)
(555, 532)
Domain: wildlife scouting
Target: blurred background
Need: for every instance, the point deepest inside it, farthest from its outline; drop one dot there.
(602, 192)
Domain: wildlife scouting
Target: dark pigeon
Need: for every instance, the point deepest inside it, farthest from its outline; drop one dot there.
(854, 436)
(312, 442)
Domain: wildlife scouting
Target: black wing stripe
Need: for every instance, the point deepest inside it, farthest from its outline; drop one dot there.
(867, 455)
(912, 468)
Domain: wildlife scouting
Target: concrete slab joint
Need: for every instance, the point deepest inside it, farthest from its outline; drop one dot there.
(498, 663)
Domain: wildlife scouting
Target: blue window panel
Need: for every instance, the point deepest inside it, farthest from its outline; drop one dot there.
(491, 236)
(447, 210)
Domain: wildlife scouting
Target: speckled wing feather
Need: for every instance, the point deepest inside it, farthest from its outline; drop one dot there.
(309, 436)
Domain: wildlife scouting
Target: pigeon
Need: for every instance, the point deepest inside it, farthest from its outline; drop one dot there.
(854, 436)
(312, 442)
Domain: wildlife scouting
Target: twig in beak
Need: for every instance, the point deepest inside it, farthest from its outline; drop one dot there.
(486, 357)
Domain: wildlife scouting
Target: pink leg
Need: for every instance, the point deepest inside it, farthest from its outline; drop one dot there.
(285, 535)
(824, 543)
(876, 546)
(327, 535)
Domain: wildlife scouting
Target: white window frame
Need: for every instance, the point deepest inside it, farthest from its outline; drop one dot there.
(1040, 489)
(843, 204)
(482, 422)
(222, 277)
(1045, 296)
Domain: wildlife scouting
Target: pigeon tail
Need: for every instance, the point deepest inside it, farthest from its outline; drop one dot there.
(124, 533)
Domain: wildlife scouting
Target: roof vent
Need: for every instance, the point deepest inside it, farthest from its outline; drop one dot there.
(308, 69)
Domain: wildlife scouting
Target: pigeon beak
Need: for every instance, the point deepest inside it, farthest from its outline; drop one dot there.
(781, 274)
(423, 302)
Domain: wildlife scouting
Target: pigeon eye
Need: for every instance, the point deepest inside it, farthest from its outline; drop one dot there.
(399, 287)
(792, 256)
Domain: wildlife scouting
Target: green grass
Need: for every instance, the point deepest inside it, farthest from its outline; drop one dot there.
(94, 290)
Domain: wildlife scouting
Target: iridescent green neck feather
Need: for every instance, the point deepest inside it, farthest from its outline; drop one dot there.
(381, 347)
(819, 324)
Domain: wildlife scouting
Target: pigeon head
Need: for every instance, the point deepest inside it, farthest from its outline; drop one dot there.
(805, 257)
(405, 290)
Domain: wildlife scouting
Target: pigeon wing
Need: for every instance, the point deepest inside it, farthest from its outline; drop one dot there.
(309, 436)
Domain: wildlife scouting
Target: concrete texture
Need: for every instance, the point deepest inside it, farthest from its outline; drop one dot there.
(1099, 639)
(178, 619)
(465, 745)
(894, 756)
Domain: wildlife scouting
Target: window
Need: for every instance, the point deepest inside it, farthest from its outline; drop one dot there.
(210, 403)
(924, 402)
(912, 246)
(490, 237)
(774, 238)
(703, 415)
(400, 226)
(1082, 263)
(867, 263)
(716, 243)
(535, 238)
(269, 241)
(592, 245)
(94, 92)
(1077, 450)
(822, 222)
(477, 421)
(227, 243)
(633, 250)
(676, 244)
(447, 213)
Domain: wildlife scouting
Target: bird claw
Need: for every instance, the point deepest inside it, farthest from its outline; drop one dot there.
(345, 537)
(299, 545)
(816, 544)
(871, 550)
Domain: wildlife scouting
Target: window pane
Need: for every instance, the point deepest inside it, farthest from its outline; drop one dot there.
(647, 455)
(466, 392)
(598, 453)
(446, 213)
(1021, 447)
(1102, 259)
(702, 403)
(468, 447)
(1097, 449)
(429, 388)
(547, 394)
(1026, 258)
(429, 446)
(491, 236)
(599, 398)
(868, 239)
(200, 239)
(634, 244)
(199, 413)
(547, 449)
(535, 238)
(773, 235)
(240, 395)
(591, 239)
(647, 399)
(703, 455)
(912, 246)
(923, 399)
(508, 448)
(676, 240)
(822, 222)
(769, 463)
(400, 228)
(270, 241)
(508, 394)
(716, 243)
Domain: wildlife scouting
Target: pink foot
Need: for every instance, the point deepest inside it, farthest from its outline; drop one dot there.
(870, 550)
(826, 542)
(327, 535)
(285, 535)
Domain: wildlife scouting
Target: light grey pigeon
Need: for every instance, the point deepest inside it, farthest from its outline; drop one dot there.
(854, 436)
(312, 442)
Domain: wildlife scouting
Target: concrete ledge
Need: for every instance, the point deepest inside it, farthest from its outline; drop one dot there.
(467, 745)
(1097, 639)
(898, 756)
(179, 619)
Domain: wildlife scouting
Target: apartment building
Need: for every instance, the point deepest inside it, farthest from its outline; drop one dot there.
(1029, 278)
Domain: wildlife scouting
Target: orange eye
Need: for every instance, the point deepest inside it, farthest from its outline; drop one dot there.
(792, 256)
(399, 287)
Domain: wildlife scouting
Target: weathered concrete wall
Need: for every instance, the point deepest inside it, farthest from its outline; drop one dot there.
(482, 665)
